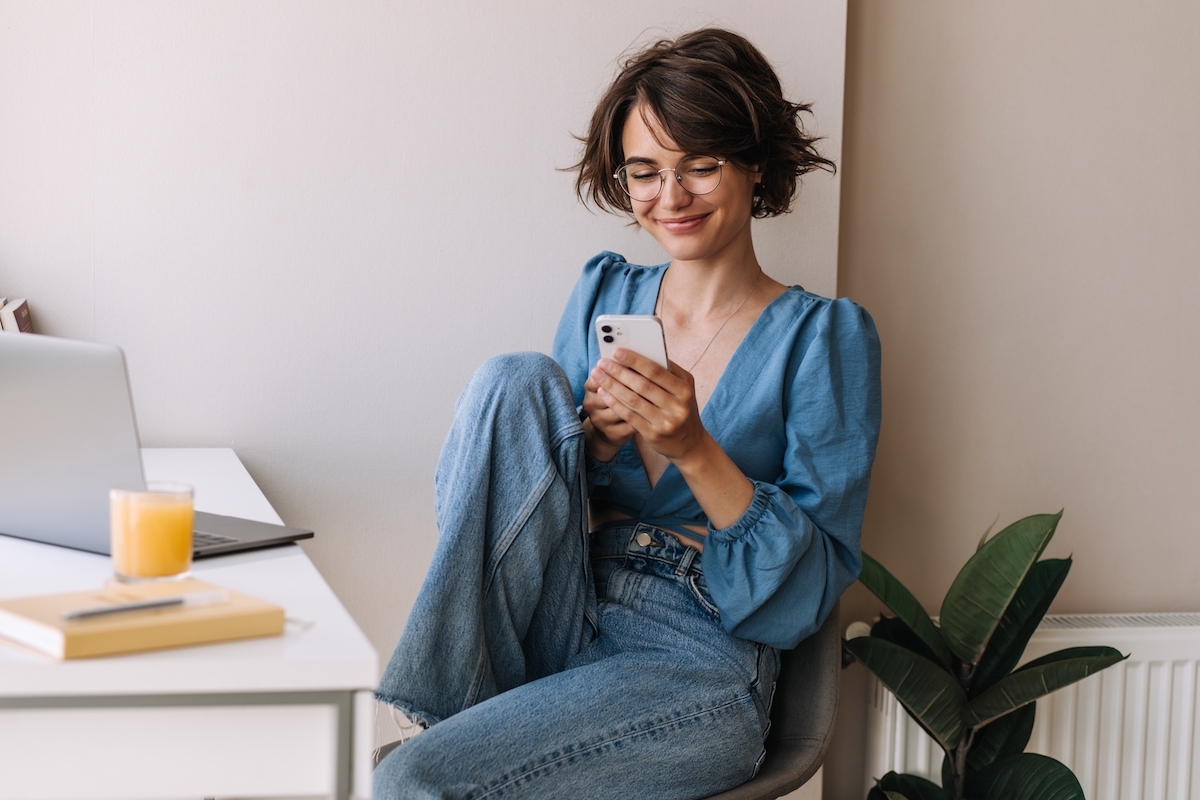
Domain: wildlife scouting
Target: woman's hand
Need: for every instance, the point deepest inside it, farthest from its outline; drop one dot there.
(604, 432)
(658, 404)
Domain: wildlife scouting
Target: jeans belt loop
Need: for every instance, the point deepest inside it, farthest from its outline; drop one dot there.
(685, 563)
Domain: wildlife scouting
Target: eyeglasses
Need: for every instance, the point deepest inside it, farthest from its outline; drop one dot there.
(696, 174)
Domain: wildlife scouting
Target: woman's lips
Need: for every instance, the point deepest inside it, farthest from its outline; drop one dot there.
(683, 224)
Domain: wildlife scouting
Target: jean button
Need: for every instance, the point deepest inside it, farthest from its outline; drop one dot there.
(643, 539)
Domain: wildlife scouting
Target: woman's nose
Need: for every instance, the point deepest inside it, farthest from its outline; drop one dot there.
(673, 194)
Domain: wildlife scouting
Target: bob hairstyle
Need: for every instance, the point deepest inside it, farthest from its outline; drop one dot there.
(715, 94)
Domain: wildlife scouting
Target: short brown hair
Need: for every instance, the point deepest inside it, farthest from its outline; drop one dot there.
(715, 94)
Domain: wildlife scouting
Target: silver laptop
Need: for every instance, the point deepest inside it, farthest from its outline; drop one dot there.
(69, 435)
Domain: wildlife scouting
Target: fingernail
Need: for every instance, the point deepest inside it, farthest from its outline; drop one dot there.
(604, 363)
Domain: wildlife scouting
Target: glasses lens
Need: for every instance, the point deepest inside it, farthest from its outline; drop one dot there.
(700, 174)
(640, 181)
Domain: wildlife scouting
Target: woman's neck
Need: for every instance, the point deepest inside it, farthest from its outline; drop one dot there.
(695, 290)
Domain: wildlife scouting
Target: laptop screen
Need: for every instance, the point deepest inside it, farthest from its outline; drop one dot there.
(69, 436)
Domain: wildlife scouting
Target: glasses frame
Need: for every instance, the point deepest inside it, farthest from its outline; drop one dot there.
(662, 179)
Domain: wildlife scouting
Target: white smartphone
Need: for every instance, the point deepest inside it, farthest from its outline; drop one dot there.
(643, 334)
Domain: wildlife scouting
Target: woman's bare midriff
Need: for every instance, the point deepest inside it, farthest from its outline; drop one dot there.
(599, 514)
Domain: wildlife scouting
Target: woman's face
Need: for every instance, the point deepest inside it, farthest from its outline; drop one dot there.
(689, 227)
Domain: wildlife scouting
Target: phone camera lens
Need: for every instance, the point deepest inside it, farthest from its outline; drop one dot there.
(608, 339)
(606, 329)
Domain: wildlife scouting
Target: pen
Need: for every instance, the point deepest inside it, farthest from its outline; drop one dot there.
(191, 599)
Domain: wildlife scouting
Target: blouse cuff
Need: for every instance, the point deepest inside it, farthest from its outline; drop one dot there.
(748, 520)
(599, 473)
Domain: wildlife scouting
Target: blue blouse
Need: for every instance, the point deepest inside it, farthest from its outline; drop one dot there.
(797, 409)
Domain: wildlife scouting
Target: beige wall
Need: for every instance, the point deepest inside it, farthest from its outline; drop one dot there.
(1021, 215)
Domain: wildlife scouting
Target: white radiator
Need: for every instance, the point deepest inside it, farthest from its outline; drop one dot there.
(1131, 732)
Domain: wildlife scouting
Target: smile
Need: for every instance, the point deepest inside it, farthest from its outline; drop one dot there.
(682, 224)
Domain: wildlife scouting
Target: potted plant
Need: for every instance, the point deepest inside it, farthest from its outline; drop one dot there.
(956, 676)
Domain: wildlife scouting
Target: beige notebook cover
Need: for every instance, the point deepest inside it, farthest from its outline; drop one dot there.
(37, 622)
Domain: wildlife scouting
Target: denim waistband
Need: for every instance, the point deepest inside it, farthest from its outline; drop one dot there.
(651, 547)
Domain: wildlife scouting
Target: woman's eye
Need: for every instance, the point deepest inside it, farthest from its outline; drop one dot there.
(701, 172)
(643, 177)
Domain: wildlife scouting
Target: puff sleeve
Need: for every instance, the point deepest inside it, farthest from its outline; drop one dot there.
(573, 342)
(777, 572)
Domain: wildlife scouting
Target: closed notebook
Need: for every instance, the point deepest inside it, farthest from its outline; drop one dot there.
(39, 623)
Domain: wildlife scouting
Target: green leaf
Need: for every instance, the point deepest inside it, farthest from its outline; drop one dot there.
(1036, 679)
(1004, 737)
(895, 631)
(1069, 653)
(879, 794)
(1020, 620)
(911, 787)
(983, 538)
(930, 693)
(1025, 777)
(902, 603)
(987, 583)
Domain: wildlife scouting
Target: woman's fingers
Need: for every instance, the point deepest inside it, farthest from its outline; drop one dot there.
(666, 378)
(609, 421)
(611, 375)
(602, 419)
(659, 404)
(652, 420)
(628, 416)
(675, 395)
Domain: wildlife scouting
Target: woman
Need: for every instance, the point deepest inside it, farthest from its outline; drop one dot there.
(638, 658)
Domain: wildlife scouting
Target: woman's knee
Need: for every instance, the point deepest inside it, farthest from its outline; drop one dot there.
(519, 378)
(409, 773)
(518, 370)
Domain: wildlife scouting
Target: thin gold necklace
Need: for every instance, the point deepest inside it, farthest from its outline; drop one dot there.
(724, 323)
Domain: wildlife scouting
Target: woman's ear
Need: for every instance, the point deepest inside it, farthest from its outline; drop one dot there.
(754, 173)
(756, 196)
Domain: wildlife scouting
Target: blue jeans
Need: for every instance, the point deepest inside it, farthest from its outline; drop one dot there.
(549, 662)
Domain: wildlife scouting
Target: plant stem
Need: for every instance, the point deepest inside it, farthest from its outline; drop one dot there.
(966, 671)
(960, 764)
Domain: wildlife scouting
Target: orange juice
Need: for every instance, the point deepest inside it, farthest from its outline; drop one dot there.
(151, 531)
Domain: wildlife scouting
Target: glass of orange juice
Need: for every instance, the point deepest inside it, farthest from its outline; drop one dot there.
(151, 532)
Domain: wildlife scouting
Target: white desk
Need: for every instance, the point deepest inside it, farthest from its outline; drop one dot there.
(288, 715)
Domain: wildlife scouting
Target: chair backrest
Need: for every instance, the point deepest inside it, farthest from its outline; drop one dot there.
(802, 716)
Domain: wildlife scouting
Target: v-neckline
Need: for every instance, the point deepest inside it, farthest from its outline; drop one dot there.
(714, 427)
(720, 378)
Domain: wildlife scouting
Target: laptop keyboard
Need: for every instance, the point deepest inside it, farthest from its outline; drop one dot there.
(200, 539)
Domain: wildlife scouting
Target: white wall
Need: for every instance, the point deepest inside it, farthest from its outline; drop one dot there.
(307, 222)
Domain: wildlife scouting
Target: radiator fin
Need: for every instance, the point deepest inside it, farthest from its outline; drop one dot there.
(1085, 621)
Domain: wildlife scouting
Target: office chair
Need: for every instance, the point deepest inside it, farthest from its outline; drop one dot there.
(802, 716)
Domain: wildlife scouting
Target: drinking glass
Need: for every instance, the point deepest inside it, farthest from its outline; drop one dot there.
(152, 532)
